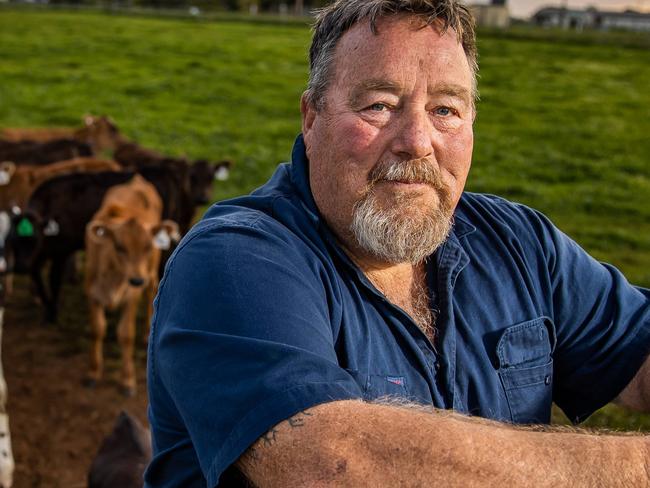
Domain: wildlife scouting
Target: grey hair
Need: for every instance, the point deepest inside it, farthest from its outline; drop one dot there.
(334, 20)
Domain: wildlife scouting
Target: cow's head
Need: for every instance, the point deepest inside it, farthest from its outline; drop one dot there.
(128, 246)
(26, 238)
(202, 175)
(101, 133)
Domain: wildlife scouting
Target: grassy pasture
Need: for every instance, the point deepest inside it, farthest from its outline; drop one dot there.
(563, 125)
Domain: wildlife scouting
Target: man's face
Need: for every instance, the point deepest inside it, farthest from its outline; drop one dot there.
(391, 148)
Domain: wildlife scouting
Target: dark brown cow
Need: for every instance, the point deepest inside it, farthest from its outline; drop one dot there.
(122, 457)
(20, 182)
(98, 132)
(193, 181)
(123, 243)
(202, 176)
(29, 152)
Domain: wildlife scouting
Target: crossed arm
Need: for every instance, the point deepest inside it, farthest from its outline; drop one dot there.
(353, 443)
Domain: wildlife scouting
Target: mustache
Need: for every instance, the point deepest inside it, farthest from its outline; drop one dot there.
(411, 171)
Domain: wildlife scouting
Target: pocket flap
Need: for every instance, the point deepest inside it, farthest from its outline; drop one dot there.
(528, 343)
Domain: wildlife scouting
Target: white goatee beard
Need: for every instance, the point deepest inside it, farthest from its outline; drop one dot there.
(395, 234)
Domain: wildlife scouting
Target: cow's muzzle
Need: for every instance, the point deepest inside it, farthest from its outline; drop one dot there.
(136, 281)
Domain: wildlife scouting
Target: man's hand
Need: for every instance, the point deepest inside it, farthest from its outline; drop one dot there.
(352, 443)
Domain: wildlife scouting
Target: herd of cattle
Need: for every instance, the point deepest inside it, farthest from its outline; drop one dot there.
(59, 194)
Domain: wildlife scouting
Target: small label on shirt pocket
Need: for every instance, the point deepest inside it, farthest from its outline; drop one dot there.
(376, 386)
(525, 353)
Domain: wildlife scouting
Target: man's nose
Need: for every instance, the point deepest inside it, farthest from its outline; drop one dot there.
(414, 137)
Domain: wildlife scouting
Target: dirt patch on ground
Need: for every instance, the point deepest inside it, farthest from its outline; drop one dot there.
(57, 424)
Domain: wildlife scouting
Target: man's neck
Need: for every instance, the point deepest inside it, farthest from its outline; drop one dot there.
(403, 284)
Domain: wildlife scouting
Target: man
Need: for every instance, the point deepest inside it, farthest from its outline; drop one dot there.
(304, 333)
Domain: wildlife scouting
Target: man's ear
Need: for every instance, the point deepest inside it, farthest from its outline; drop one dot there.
(308, 112)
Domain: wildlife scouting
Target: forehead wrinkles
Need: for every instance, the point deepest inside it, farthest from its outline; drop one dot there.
(384, 57)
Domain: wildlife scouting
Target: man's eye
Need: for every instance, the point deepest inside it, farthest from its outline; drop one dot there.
(443, 111)
(378, 107)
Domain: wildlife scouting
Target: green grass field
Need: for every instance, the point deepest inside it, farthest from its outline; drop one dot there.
(563, 124)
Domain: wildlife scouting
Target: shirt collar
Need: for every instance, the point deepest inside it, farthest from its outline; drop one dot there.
(300, 178)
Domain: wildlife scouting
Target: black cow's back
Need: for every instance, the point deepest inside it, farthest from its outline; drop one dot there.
(172, 183)
(30, 152)
(71, 201)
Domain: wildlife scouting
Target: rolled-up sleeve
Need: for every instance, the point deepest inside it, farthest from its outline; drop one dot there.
(241, 339)
(602, 324)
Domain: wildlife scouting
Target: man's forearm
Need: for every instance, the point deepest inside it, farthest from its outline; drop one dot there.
(352, 443)
(636, 394)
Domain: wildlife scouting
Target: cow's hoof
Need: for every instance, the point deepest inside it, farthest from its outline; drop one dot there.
(89, 382)
(128, 391)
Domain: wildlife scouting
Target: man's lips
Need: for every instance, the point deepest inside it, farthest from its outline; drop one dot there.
(412, 183)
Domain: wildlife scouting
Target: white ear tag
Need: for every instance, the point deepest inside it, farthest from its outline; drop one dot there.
(222, 173)
(162, 240)
(5, 177)
(51, 229)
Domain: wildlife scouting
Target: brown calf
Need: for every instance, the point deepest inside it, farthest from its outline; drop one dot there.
(99, 132)
(123, 243)
(18, 182)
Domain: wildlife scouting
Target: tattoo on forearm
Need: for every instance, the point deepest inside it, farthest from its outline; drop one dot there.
(298, 420)
(269, 437)
(253, 453)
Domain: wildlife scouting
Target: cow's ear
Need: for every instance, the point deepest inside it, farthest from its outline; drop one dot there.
(7, 170)
(25, 226)
(164, 234)
(222, 170)
(51, 228)
(97, 231)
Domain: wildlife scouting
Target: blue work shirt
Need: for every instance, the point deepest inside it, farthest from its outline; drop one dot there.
(261, 314)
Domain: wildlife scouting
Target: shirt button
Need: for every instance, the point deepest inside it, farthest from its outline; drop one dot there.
(547, 380)
(437, 365)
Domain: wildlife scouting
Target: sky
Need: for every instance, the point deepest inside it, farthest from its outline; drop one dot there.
(525, 8)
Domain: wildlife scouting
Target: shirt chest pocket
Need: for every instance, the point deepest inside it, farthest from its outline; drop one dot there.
(525, 353)
(375, 386)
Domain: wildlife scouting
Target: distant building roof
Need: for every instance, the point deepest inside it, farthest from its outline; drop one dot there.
(592, 18)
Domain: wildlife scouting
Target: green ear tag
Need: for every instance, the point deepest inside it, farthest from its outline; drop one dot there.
(25, 228)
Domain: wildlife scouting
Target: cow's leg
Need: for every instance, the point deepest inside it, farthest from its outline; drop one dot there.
(6, 455)
(97, 332)
(56, 280)
(72, 266)
(150, 294)
(36, 274)
(9, 284)
(126, 337)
